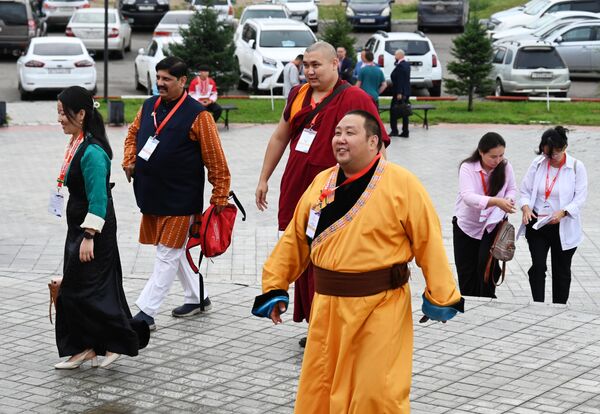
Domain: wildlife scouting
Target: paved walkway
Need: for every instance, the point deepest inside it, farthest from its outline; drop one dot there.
(505, 356)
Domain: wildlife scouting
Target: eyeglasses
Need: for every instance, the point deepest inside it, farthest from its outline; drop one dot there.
(557, 154)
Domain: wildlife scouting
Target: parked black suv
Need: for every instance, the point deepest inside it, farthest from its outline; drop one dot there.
(18, 23)
(143, 12)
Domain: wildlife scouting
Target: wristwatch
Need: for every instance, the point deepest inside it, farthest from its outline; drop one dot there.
(88, 235)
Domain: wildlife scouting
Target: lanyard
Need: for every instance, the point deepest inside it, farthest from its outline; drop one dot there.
(485, 190)
(159, 128)
(69, 154)
(329, 191)
(313, 105)
(550, 186)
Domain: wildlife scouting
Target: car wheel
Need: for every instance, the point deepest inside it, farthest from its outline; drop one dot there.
(499, 90)
(138, 85)
(435, 90)
(120, 54)
(315, 29)
(95, 90)
(388, 26)
(23, 93)
(128, 47)
(149, 87)
(254, 80)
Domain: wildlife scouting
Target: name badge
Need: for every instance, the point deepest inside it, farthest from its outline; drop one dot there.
(57, 203)
(313, 222)
(149, 148)
(306, 140)
(546, 210)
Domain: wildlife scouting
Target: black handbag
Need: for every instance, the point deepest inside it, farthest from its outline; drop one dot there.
(403, 109)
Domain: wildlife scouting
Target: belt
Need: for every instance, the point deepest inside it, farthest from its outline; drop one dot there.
(328, 282)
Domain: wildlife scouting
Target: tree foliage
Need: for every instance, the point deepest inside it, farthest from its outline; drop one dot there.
(337, 33)
(209, 41)
(473, 63)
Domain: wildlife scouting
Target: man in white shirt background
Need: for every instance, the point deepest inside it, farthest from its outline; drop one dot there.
(291, 75)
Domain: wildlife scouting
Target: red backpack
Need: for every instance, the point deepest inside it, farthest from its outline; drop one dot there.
(213, 235)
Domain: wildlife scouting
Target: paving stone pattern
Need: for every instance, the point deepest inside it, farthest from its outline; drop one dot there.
(501, 356)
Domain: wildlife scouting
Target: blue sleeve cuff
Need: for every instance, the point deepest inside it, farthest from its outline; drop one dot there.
(441, 313)
(264, 304)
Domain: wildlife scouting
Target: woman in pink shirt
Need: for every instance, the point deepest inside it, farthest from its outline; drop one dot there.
(486, 194)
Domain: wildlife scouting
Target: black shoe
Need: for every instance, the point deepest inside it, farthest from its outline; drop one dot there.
(141, 316)
(190, 309)
(302, 342)
(403, 135)
(393, 134)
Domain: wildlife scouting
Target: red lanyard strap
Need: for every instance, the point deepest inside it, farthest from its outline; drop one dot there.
(328, 191)
(69, 154)
(159, 128)
(484, 185)
(550, 185)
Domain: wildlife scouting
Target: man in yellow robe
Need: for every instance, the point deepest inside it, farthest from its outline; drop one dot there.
(360, 223)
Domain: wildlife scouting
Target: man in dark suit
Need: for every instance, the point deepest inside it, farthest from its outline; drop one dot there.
(400, 94)
(345, 67)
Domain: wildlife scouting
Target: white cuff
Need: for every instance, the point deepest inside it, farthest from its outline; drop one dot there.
(93, 222)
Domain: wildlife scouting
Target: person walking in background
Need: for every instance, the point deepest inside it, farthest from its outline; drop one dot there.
(291, 75)
(487, 193)
(371, 79)
(400, 77)
(306, 126)
(553, 193)
(168, 145)
(92, 315)
(203, 88)
(358, 66)
(345, 66)
(360, 223)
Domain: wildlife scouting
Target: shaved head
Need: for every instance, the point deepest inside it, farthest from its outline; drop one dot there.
(326, 50)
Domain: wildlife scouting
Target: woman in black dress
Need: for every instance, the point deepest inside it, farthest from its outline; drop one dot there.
(92, 315)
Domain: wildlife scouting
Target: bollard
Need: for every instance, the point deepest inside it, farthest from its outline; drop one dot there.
(3, 120)
(116, 112)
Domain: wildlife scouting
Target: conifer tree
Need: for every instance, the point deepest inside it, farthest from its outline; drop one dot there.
(337, 33)
(473, 53)
(209, 41)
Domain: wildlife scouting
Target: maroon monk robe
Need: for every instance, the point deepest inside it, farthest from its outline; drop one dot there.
(302, 168)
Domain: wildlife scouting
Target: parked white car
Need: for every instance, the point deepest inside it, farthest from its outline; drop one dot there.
(425, 67)
(261, 11)
(543, 25)
(88, 25)
(55, 63)
(303, 10)
(59, 12)
(172, 22)
(224, 9)
(146, 60)
(529, 68)
(266, 46)
(538, 9)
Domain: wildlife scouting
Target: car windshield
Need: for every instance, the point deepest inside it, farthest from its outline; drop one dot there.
(210, 2)
(286, 38)
(368, 1)
(93, 18)
(535, 8)
(57, 49)
(263, 14)
(172, 18)
(410, 47)
(549, 31)
(13, 14)
(541, 21)
(547, 58)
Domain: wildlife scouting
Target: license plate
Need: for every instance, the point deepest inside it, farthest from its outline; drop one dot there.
(91, 34)
(300, 18)
(367, 20)
(439, 7)
(541, 75)
(58, 71)
(65, 9)
(146, 8)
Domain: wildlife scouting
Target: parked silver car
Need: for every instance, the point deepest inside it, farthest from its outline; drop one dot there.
(578, 45)
(529, 68)
(224, 9)
(442, 13)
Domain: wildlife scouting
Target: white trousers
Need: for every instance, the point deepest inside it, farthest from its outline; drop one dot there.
(168, 263)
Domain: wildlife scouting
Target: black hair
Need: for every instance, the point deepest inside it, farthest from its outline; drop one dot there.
(203, 68)
(488, 142)
(554, 139)
(369, 57)
(76, 98)
(300, 57)
(175, 66)
(371, 124)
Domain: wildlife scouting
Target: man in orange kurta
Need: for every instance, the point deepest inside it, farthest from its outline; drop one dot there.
(360, 223)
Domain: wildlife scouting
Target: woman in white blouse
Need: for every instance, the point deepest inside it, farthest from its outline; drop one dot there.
(552, 195)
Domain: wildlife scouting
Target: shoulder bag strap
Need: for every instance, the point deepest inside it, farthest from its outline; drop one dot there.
(321, 104)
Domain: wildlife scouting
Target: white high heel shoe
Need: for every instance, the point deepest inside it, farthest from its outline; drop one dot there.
(109, 360)
(75, 363)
